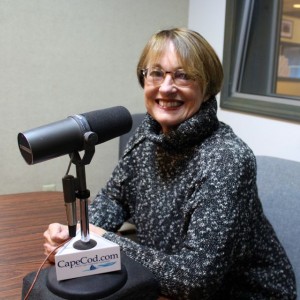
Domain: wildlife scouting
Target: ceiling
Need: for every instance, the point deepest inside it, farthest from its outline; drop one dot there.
(288, 8)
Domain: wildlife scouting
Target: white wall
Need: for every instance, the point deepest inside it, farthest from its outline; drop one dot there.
(63, 57)
(266, 136)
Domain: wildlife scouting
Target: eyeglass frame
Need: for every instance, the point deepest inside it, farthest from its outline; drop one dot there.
(188, 82)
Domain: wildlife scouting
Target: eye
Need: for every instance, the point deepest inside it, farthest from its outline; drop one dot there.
(181, 75)
(156, 73)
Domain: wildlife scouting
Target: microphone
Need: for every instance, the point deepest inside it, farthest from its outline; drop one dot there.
(66, 136)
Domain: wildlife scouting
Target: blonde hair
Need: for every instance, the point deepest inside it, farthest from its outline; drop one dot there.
(196, 55)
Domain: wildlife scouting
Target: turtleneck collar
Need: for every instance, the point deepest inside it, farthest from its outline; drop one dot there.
(189, 132)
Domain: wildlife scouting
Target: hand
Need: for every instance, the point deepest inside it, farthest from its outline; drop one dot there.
(58, 233)
(54, 236)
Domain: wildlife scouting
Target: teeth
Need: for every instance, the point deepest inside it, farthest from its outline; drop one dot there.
(169, 103)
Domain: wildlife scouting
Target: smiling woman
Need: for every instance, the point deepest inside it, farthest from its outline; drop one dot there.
(188, 184)
(169, 103)
(206, 67)
(174, 88)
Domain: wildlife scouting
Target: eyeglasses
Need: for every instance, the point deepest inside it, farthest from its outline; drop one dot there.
(156, 76)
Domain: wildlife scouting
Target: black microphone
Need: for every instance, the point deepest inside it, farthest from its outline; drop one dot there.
(66, 136)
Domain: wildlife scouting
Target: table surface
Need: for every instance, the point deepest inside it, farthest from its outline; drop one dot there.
(23, 219)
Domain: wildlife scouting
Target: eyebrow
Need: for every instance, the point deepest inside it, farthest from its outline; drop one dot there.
(160, 67)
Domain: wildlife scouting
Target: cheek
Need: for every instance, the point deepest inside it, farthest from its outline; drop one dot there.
(149, 94)
(198, 103)
(198, 99)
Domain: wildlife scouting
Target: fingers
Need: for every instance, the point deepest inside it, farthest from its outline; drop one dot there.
(47, 250)
(54, 236)
(57, 233)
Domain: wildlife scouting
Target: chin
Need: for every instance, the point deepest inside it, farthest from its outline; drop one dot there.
(167, 124)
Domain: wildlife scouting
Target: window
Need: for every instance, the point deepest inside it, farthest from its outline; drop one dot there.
(262, 58)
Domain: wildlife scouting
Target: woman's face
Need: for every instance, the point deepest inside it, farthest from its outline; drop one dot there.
(167, 103)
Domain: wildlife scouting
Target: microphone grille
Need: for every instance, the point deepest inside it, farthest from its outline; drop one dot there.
(109, 123)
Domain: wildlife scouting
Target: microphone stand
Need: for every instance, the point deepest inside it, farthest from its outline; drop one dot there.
(94, 286)
(82, 192)
(76, 188)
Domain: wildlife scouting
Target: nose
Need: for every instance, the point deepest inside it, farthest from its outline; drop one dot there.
(167, 86)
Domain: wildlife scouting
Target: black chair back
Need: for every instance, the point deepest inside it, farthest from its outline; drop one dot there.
(136, 121)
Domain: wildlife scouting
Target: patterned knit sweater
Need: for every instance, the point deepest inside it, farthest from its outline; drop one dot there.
(200, 226)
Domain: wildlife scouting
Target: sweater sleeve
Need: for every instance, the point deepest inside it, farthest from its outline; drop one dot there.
(218, 219)
(108, 210)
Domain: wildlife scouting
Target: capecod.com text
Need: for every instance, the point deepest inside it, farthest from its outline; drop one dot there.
(86, 260)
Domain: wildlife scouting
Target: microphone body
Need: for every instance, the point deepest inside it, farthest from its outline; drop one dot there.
(66, 136)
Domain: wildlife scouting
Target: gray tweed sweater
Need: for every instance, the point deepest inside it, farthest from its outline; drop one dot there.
(200, 226)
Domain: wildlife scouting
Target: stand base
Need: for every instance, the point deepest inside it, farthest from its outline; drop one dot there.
(140, 284)
(79, 245)
(88, 287)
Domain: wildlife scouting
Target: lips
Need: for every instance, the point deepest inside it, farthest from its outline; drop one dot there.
(169, 103)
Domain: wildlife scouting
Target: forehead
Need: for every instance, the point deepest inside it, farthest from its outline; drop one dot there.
(164, 55)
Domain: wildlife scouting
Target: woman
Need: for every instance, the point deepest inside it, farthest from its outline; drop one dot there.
(189, 184)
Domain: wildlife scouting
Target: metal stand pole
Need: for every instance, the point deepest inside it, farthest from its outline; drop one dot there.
(77, 186)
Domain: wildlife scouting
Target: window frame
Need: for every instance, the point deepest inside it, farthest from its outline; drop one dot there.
(237, 28)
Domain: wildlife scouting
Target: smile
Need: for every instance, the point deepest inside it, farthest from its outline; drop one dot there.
(169, 104)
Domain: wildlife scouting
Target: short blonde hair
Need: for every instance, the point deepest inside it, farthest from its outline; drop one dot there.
(196, 55)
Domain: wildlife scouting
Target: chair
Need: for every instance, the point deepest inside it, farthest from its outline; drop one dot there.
(136, 121)
(278, 182)
(128, 229)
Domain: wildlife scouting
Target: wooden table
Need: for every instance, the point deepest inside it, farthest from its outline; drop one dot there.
(23, 219)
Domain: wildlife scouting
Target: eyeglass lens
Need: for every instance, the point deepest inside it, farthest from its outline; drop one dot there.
(156, 76)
